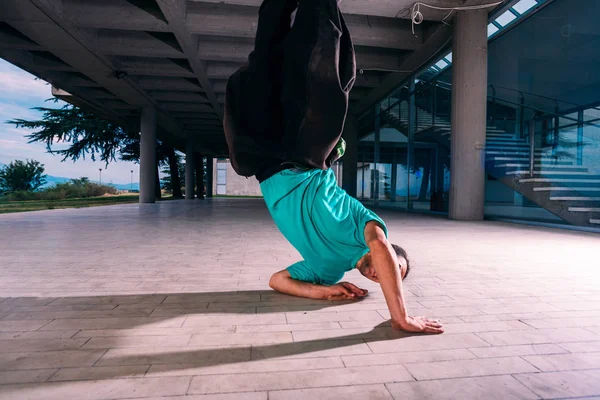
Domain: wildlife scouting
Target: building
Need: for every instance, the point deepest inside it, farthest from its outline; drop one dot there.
(479, 109)
(226, 182)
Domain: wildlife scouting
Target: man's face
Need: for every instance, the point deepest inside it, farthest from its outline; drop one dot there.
(367, 269)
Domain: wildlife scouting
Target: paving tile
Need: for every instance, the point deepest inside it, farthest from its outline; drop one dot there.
(550, 385)
(254, 339)
(469, 368)
(298, 379)
(502, 317)
(309, 317)
(137, 341)
(273, 365)
(492, 326)
(31, 345)
(313, 348)
(371, 392)
(287, 327)
(517, 350)
(174, 355)
(18, 326)
(93, 373)
(558, 335)
(492, 388)
(234, 319)
(26, 376)
(96, 390)
(222, 396)
(49, 359)
(405, 358)
(38, 335)
(114, 323)
(565, 362)
(427, 342)
(564, 322)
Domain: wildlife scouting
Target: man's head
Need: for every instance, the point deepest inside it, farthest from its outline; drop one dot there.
(367, 269)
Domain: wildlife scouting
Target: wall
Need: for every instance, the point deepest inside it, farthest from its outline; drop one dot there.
(235, 185)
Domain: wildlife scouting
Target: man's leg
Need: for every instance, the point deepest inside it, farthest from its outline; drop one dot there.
(253, 111)
(320, 70)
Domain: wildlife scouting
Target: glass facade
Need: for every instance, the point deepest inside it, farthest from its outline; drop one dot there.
(543, 123)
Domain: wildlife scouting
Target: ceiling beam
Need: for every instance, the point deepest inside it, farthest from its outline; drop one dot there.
(237, 21)
(175, 12)
(42, 21)
(381, 8)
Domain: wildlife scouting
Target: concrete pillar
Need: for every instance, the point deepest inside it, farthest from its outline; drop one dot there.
(209, 177)
(350, 158)
(190, 179)
(469, 101)
(410, 149)
(199, 160)
(148, 155)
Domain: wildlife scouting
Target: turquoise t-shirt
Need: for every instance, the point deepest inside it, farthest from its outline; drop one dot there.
(323, 222)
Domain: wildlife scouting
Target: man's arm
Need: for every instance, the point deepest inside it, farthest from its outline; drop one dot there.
(284, 283)
(385, 262)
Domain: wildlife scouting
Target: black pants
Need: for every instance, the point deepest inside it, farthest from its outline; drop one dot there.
(288, 103)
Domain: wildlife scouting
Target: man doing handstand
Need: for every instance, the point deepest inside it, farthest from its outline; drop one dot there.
(284, 114)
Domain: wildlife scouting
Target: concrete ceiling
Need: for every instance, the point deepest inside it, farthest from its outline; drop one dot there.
(118, 56)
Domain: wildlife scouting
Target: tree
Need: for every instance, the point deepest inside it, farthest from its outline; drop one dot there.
(87, 133)
(90, 135)
(18, 175)
(167, 180)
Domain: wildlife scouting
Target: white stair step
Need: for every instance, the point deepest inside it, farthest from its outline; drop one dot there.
(584, 209)
(506, 143)
(561, 173)
(565, 189)
(547, 161)
(512, 165)
(558, 180)
(501, 139)
(574, 198)
(595, 221)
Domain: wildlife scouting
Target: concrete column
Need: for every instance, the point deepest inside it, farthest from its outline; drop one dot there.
(469, 101)
(350, 158)
(190, 179)
(148, 155)
(209, 177)
(410, 149)
(199, 160)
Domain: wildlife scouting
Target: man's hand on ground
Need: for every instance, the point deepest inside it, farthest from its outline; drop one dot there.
(345, 291)
(419, 324)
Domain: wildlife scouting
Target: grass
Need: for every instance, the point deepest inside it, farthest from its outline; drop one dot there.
(36, 205)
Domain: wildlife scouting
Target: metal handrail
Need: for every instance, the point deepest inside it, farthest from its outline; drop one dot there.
(556, 101)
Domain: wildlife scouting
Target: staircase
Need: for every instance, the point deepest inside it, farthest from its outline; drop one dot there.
(568, 191)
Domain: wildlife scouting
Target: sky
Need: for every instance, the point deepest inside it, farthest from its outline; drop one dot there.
(19, 92)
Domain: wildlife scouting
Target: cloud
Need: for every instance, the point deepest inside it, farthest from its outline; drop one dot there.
(20, 85)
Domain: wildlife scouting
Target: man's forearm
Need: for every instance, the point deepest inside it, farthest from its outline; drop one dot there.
(388, 273)
(293, 287)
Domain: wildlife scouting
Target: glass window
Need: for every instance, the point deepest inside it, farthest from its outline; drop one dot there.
(492, 29)
(506, 18)
(449, 57)
(221, 189)
(522, 6)
(591, 114)
(441, 64)
(221, 176)
(221, 166)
